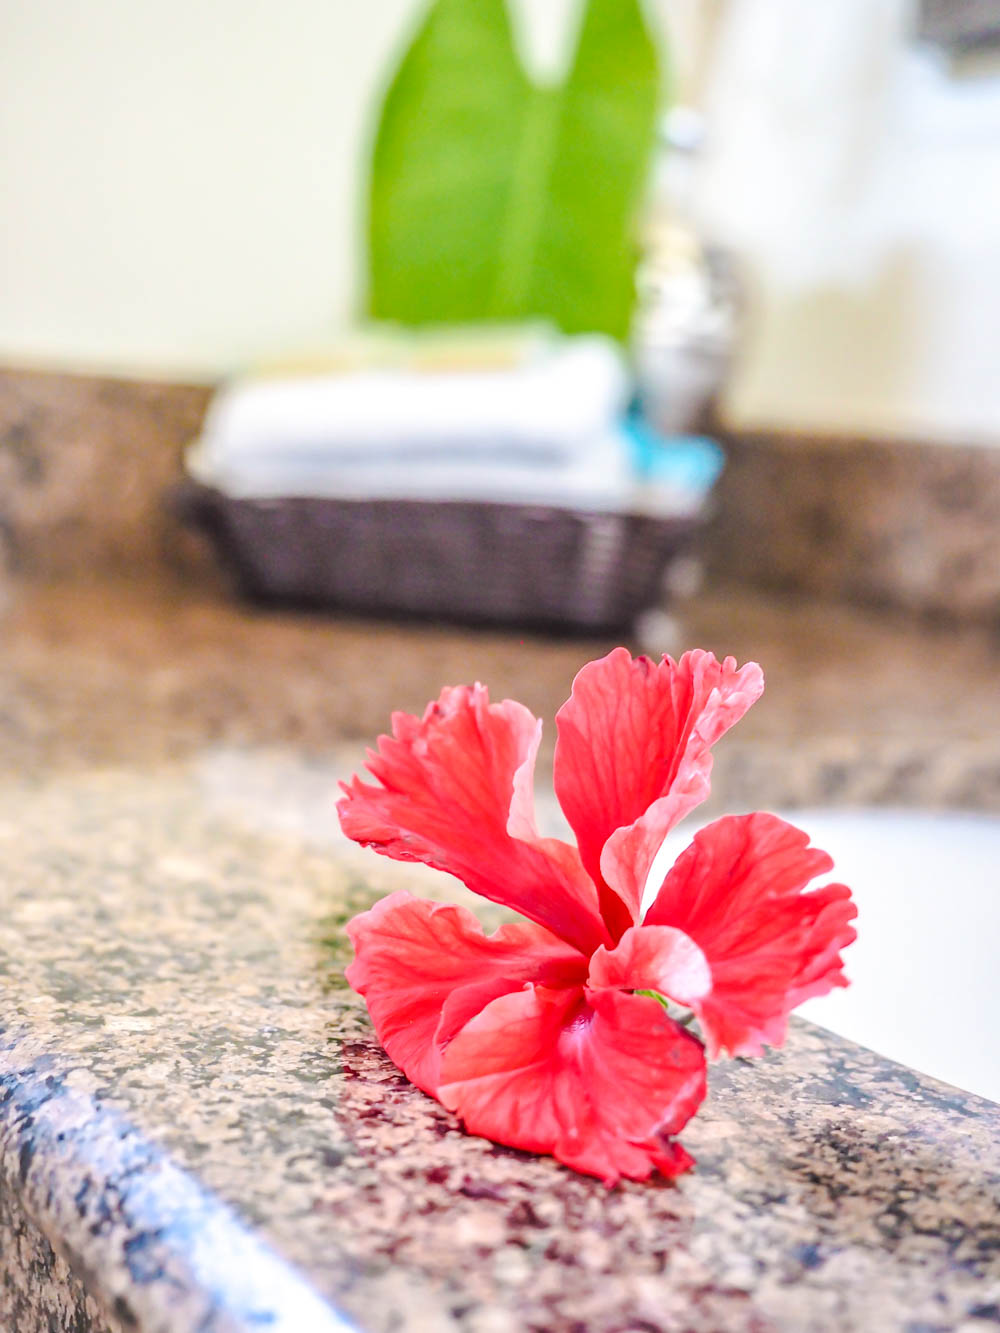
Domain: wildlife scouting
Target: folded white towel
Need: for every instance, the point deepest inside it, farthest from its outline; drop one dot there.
(545, 411)
(600, 476)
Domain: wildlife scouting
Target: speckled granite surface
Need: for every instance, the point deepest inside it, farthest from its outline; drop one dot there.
(896, 523)
(196, 1128)
(84, 464)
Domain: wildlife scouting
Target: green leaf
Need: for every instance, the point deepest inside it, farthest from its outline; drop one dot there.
(494, 199)
(682, 1016)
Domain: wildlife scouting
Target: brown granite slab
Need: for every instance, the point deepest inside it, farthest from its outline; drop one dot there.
(899, 523)
(85, 463)
(197, 1130)
(173, 976)
(859, 706)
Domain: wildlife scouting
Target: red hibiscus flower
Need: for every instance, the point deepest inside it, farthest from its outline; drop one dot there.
(544, 1035)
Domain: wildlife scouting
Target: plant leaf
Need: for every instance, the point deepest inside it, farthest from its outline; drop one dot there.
(445, 155)
(494, 199)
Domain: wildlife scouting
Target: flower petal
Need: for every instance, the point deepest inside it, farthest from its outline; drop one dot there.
(738, 892)
(455, 792)
(425, 968)
(656, 958)
(634, 757)
(598, 1078)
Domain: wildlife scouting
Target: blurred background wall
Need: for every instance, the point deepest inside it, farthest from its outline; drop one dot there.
(184, 173)
(181, 192)
(182, 177)
(858, 173)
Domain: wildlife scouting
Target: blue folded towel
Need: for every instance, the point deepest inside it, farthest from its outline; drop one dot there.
(688, 462)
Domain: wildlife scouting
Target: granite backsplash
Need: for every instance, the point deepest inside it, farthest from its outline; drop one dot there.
(895, 523)
(86, 464)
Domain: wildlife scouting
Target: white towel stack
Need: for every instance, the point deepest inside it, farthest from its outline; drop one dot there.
(543, 429)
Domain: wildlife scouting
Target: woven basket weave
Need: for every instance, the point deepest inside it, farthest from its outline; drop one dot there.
(453, 560)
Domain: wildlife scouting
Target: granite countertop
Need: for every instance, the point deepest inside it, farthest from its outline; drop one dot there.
(197, 1130)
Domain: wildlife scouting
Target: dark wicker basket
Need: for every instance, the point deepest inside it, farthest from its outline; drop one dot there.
(454, 560)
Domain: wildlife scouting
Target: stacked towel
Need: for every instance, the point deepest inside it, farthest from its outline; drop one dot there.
(546, 428)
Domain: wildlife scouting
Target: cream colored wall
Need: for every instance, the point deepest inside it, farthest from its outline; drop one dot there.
(180, 195)
(180, 177)
(858, 177)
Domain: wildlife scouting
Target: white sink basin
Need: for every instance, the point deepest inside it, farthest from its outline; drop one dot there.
(925, 969)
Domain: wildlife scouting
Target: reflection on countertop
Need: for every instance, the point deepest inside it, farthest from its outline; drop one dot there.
(178, 1040)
